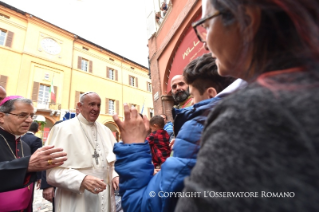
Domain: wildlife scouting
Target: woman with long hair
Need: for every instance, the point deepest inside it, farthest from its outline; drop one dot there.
(260, 147)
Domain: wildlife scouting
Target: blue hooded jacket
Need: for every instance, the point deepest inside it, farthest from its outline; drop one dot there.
(140, 190)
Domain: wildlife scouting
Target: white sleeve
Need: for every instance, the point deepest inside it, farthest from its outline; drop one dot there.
(67, 178)
(114, 173)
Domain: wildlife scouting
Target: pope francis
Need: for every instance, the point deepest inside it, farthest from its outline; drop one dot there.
(84, 182)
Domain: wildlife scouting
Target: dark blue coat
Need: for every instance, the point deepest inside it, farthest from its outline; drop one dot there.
(34, 143)
(140, 190)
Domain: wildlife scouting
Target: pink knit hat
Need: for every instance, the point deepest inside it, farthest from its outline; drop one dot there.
(9, 98)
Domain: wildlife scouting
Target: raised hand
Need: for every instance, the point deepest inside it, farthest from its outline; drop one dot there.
(134, 128)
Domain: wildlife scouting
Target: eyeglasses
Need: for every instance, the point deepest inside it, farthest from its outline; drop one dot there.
(23, 115)
(201, 33)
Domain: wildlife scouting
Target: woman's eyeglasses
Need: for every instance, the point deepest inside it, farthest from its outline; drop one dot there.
(201, 31)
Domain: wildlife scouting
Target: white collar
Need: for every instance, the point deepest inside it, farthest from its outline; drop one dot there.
(30, 132)
(237, 84)
(83, 120)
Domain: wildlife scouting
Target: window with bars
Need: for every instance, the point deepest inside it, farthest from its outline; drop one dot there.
(84, 64)
(149, 87)
(111, 106)
(3, 35)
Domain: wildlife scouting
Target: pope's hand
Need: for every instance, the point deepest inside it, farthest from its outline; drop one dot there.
(93, 184)
(115, 183)
(48, 193)
(45, 158)
(134, 128)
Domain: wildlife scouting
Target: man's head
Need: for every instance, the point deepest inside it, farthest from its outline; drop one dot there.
(203, 79)
(179, 89)
(164, 117)
(157, 123)
(89, 106)
(34, 127)
(3, 93)
(16, 115)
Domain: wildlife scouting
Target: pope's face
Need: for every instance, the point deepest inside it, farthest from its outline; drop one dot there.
(15, 124)
(91, 106)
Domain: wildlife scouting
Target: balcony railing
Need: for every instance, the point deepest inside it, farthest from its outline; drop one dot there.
(43, 105)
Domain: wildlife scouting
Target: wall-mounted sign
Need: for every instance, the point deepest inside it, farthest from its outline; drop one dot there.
(46, 76)
(156, 96)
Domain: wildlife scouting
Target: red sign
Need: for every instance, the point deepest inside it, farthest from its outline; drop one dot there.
(189, 49)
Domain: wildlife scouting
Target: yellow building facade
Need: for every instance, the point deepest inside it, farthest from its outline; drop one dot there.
(35, 54)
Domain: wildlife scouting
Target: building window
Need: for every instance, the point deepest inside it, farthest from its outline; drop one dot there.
(151, 113)
(149, 87)
(44, 97)
(111, 74)
(84, 64)
(2, 36)
(132, 81)
(111, 106)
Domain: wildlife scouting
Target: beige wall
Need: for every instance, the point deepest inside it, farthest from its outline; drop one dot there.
(26, 62)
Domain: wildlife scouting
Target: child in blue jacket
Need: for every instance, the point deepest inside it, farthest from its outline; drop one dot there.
(140, 190)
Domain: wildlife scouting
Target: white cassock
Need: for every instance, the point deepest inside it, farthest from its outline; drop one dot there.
(69, 135)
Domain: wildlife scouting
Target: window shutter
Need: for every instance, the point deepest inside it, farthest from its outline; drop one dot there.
(79, 62)
(117, 107)
(129, 79)
(91, 67)
(3, 81)
(136, 82)
(116, 75)
(56, 93)
(106, 106)
(138, 108)
(35, 91)
(147, 86)
(77, 98)
(107, 72)
(9, 39)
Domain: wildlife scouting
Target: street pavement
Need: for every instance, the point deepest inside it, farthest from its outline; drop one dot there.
(40, 204)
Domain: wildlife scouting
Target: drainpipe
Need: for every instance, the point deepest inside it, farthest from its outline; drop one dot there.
(122, 84)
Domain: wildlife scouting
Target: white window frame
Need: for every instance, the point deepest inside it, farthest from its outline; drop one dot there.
(3, 36)
(44, 97)
(111, 74)
(151, 112)
(84, 65)
(111, 106)
(132, 81)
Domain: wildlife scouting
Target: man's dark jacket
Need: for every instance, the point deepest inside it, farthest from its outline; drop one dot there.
(34, 143)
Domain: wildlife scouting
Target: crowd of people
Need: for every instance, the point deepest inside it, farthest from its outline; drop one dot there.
(243, 136)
